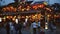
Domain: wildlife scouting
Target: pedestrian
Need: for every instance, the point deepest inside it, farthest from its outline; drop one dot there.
(24, 25)
(18, 28)
(51, 26)
(34, 27)
(7, 28)
(39, 26)
(42, 30)
(11, 27)
(0, 25)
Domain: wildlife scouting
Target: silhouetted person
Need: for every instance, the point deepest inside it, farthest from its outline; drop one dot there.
(7, 28)
(34, 26)
(42, 31)
(18, 27)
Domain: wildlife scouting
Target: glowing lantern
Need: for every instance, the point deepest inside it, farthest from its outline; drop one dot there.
(27, 9)
(4, 9)
(41, 6)
(10, 16)
(48, 15)
(7, 8)
(7, 16)
(14, 9)
(14, 16)
(35, 7)
(11, 8)
(13, 19)
(35, 14)
(23, 9)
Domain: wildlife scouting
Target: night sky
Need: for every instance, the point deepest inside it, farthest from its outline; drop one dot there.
(6, 2)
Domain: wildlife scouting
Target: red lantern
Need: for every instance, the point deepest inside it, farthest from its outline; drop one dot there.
(41, 6)
(35, 7)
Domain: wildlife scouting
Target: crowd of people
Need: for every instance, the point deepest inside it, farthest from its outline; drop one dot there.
(34, 27)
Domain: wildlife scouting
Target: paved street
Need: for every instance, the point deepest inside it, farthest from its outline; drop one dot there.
(49, 32)
(26, 31)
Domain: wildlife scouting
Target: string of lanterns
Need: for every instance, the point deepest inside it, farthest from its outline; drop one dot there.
(22, 8)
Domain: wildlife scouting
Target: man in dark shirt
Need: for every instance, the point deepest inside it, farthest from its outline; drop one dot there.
(18, 27)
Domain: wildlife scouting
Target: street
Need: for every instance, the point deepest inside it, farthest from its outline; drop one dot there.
(3, 31)
(27, 31)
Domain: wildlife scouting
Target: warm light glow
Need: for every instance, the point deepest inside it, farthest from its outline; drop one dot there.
(11, 8)
(26, 19)
(13, 19)
(14, 16)
(46, 25)
(23, 9)
(30, 16)
(41, 6)
(15, 10)
(48, 9)
(35, 7)
(19, 17)
(54, 15)
(22, 17)
(4, 9)
(0, 19)
(4, 18)
(7, 8)
(28, 6)
(33, 17)
(48, 15)
(39, 16)
(19, 8)
(36, 15)
(16, 21)
(27, 9)
(10, 17)
(20, 2)
(7, 16)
